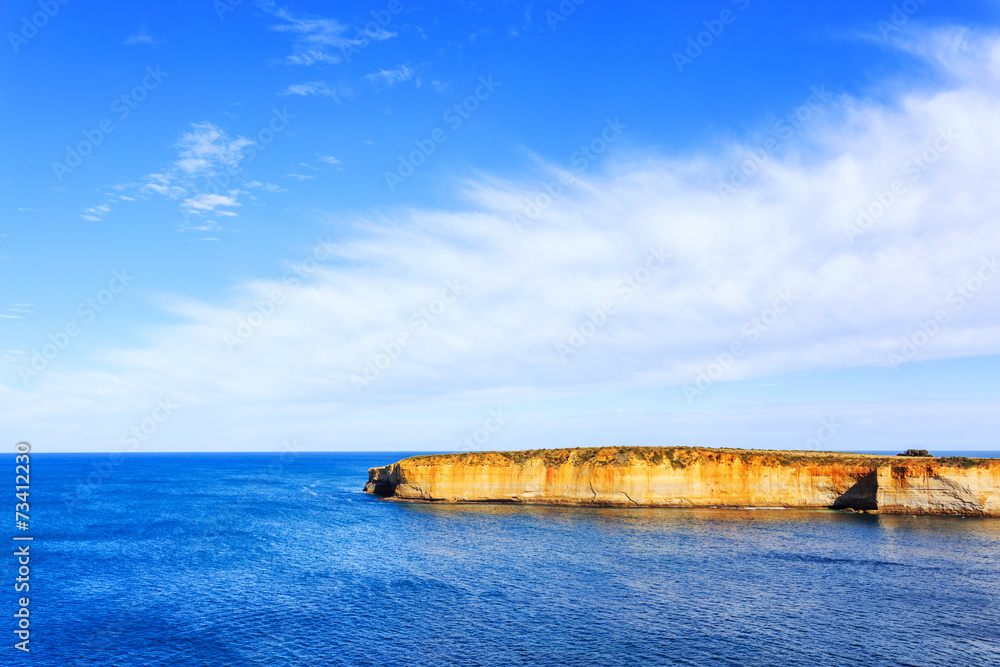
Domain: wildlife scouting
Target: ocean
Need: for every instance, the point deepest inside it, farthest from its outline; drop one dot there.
(268, 559)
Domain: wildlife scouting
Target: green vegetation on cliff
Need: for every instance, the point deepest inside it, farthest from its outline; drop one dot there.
(681, 457)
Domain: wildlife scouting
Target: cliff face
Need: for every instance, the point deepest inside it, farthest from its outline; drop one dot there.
(689, 477)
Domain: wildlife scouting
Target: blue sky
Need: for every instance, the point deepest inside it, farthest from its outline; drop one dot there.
(670, 223)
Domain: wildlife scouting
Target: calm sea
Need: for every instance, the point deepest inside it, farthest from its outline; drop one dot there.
(257, 560)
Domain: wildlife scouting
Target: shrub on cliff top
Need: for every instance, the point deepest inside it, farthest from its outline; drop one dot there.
(959, 462)
(678, 457)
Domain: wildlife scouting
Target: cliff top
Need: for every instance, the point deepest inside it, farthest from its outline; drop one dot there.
(680, 457)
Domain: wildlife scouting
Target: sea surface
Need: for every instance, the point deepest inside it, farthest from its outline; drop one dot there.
(267, 559)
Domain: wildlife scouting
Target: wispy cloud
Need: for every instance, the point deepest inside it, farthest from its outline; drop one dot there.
(329, 159)
(199, 225)
(207, 148)
(783, 229)
(479, 33)
(266, 187)
(389, 77)
(336, 92)
(141, 36)
(320, 40)
(206, 156)
(96, 213)
(207, 203)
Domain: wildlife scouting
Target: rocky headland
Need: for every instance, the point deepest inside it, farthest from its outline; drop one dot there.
(698, 477)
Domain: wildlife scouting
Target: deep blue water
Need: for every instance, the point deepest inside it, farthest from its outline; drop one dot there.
(246, 560)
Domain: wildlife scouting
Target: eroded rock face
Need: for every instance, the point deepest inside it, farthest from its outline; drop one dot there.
(383, 481)
(694, 477)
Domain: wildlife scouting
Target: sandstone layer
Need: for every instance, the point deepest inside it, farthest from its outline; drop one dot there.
(698, 477)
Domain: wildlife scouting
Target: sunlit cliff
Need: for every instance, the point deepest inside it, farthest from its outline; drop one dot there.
(697, 477)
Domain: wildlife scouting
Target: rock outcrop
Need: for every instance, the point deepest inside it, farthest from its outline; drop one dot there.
(698, 477)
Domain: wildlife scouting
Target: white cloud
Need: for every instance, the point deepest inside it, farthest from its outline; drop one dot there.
(479, 33)
(141, 36)
(335, 92)
(267, 187)
(329, 159)
(207, 148)
(321, 40)
(209, 160)
(526, 291)
(96, 213)
(388, 77)
(199, 224)
(207, 203)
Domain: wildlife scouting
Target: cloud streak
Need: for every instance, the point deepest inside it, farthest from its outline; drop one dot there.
(317, 40)
(389, 77)
(206, 177)
(336, 92)
(141, 36)
(526, 290)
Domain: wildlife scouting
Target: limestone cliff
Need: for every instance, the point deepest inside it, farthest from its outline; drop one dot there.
(697, 477)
